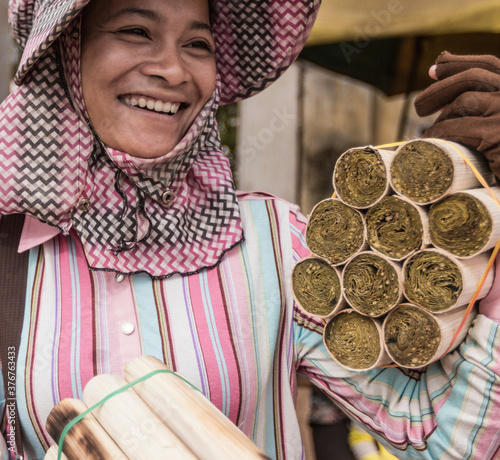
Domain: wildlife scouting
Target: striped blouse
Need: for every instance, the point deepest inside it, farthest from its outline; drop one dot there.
(234, 332)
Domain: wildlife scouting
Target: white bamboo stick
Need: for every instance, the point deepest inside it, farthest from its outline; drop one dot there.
(317, 287)
(415, 184)
(189, 414)
(87, 437)
(139, 433)
(361, 176)
(441, 278)
(425, 337)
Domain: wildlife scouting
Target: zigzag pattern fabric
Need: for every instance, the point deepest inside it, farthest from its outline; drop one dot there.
(256, 40)
(57, 170)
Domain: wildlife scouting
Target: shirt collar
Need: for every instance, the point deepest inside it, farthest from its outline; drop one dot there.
(35, 233)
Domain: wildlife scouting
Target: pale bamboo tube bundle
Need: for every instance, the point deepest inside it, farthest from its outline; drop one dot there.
(53, 452)
(361, 176)
(335, 231)
(438, 282)
(415, 337)
(139, 433)
(85, 438)
(373, 284)
(396, 227)
(466, 223)
(426, 170)
(316, 287)
(191, 416)
(355, 341)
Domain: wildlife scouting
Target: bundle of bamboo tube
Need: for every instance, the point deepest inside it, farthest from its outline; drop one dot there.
(425, 211)
(161, 416)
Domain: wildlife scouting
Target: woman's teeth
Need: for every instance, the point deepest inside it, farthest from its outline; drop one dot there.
(155, 105)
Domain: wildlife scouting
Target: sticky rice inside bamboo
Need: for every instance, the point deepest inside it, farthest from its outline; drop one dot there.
(335, 231)
(355, 341)
(396, 228)
(466, 223)
(414, 337)
(372, 284)
(425, 170)
(316, 287)
(439, 282)
(361, 176)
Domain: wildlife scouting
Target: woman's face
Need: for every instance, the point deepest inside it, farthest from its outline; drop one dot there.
(148, 68)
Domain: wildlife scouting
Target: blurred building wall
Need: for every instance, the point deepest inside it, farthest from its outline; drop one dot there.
(326, 114)
(7, 52)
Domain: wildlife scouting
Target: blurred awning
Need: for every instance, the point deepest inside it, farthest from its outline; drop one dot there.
(391, 43)
(351, 20)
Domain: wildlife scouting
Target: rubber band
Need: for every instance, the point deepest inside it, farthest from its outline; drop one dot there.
(108, 397)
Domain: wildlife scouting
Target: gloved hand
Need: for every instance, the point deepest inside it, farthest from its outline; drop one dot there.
(468, 93)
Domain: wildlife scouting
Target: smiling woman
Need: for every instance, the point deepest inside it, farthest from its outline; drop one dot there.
(161, 61)
(137, 243)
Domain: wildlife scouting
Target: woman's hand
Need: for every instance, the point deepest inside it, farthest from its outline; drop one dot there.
(468, 94)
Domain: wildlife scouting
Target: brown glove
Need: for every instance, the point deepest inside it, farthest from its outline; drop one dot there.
(468, 93)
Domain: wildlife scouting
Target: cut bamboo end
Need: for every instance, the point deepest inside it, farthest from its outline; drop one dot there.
(373, 284)
(361, 176)
(414, 337)
(87, 437)
(396, 228)
(466, 223)
(53, 453)
(139, 433)
(426, 170)
(355, 341)
(188, 414)
(316, 287)
(439, 282)
(335, 231)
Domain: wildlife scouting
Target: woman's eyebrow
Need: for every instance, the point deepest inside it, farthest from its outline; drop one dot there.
(153, 16)
(148, 14)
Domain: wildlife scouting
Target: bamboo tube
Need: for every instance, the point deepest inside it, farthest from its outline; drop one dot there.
(335, 231)
(316, 287)
(139, 433)
(361, 176)
(85, 438)
(426, 170)
(355, 341)
(191, 416)
(53, 452)
(373, 285)
(415, 337)
(466, 223)
(396, 228)
(439, 282)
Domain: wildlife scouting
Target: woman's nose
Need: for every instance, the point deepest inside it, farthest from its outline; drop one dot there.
(168, 65)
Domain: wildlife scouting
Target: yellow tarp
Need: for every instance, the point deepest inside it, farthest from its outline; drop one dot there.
(349, 20)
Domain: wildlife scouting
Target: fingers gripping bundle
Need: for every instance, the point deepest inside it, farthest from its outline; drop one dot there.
(399, 252)
(468, 94)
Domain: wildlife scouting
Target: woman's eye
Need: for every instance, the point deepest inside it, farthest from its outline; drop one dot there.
(135, 31)
(200, 44)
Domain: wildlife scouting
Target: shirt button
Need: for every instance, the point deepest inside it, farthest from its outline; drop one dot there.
(128, 328)
(119, 277)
